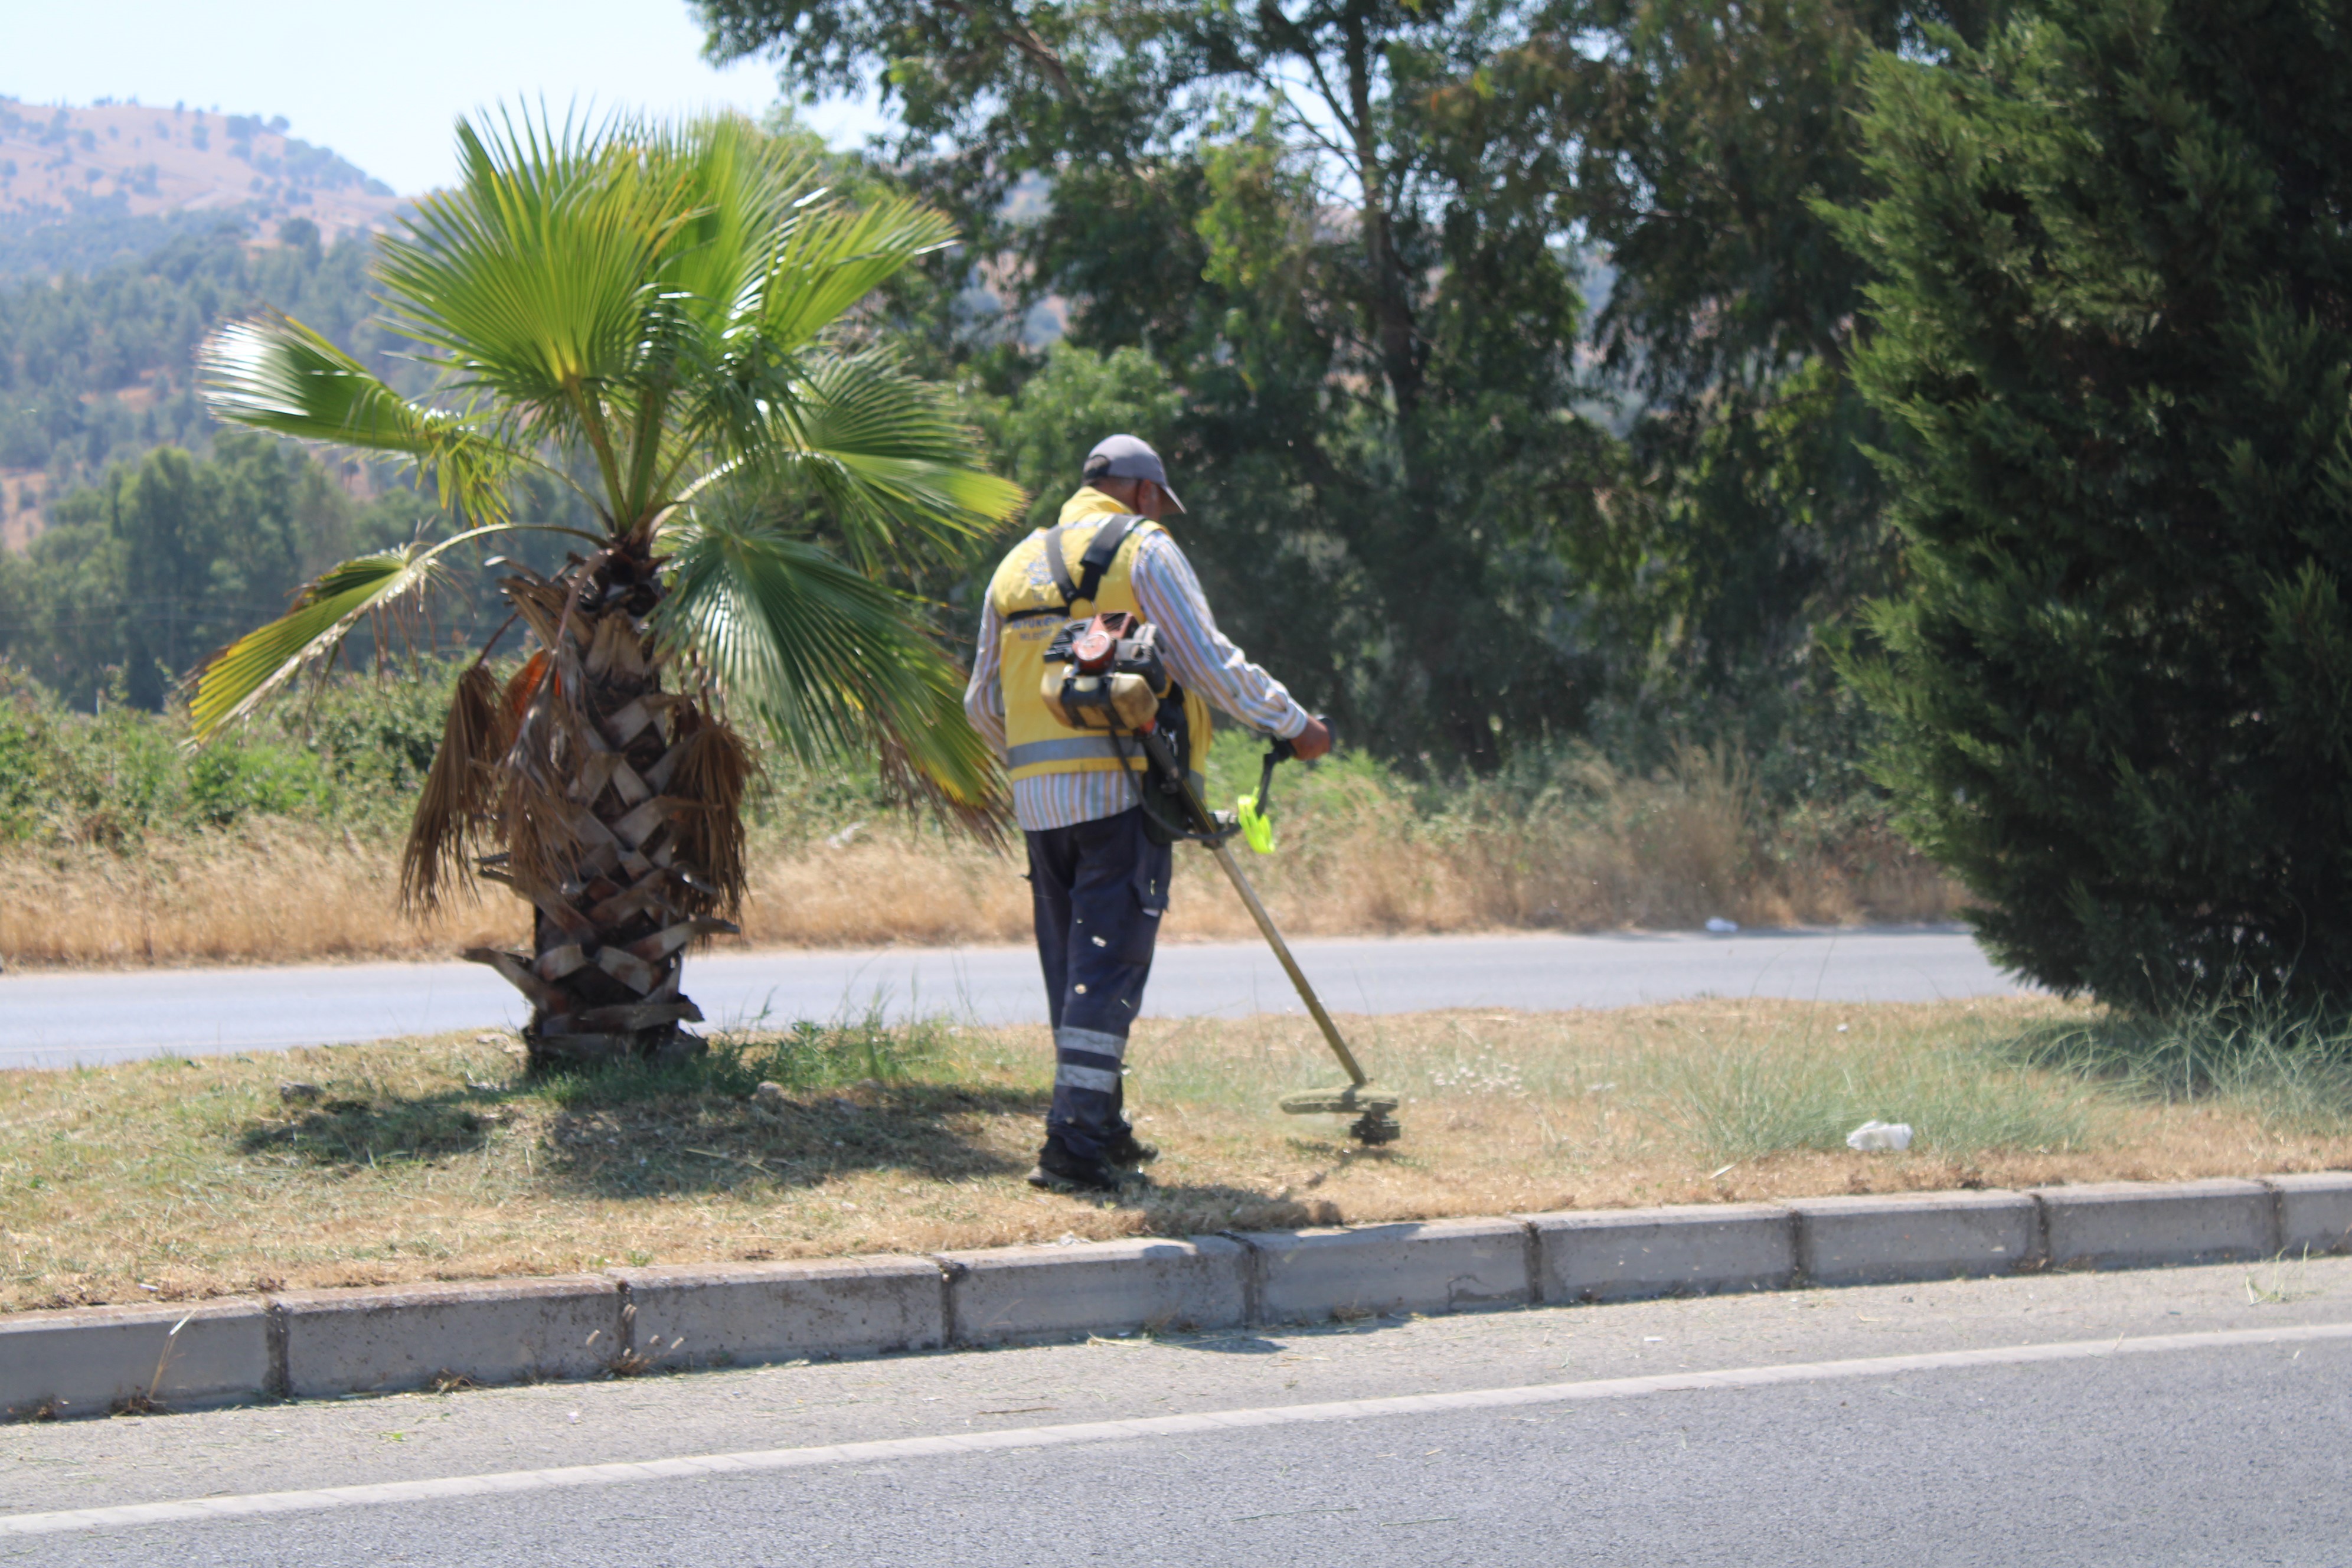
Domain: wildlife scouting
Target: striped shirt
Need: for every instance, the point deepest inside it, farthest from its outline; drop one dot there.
(1196, 654)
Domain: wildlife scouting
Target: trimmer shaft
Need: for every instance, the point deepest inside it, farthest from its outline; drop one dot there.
(1374, 1110)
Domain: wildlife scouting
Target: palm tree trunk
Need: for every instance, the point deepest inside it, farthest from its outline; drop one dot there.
(619, 810)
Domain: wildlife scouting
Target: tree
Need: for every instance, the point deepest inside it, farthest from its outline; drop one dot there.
(1079, 390)
(2115, 333)
(1691, 144)
(653, 319)
(139, 575)
(1374, 328)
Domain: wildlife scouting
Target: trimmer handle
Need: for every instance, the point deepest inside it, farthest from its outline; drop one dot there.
(1277, 750)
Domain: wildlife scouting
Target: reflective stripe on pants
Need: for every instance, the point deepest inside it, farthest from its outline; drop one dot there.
(1098, 889)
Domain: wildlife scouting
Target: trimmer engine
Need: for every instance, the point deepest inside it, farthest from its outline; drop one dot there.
(1106, 674)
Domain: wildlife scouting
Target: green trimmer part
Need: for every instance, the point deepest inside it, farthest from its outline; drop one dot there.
(1257, 828)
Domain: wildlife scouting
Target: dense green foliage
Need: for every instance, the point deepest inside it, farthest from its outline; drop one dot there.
(99, 234)
(354, 754)
(1693, 142)
(1433, 488)
(1382, 473)
(164, 535)
(161, 561)
(349, 752)
(2115, 329)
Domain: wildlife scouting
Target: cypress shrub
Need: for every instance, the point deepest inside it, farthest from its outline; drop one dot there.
(2111, 330)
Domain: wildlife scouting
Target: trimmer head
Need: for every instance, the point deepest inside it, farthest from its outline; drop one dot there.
(1373, 1109)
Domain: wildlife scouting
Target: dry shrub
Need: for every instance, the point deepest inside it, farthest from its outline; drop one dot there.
(1617, 852)
(271, 891)
(901, 885)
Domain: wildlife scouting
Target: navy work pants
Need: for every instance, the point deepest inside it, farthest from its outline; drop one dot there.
(1099, 889)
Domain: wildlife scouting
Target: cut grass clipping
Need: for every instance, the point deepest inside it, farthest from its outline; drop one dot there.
(434, 1158)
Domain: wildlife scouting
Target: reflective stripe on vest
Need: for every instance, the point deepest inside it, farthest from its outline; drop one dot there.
(1036, 742)
(1077, 748)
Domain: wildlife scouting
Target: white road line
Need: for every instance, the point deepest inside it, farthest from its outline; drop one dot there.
(324, 1498)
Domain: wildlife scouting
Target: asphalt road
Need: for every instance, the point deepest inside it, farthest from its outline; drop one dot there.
(60, 1018)
(2190, 1416)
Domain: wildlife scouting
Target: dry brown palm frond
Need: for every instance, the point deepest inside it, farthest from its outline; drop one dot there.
(541, 604)
(542, 831)
(713, 774)
(524, 687)
(457, 792)
(905, 784)
(551, 727)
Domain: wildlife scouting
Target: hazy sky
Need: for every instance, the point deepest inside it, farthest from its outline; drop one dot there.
(380, 84)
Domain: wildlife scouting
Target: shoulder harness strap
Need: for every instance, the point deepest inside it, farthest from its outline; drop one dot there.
(1100, 551)
(1063, 582)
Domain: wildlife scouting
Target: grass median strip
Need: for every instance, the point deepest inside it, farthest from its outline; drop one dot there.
(435, 1158)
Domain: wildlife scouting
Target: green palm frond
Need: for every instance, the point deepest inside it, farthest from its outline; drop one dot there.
(533, 276)
(898, 440)
(748, 192)
(666, 303)
(883, 450)
(828, 659)
(233, 681)
(832, 257)
(274, 373)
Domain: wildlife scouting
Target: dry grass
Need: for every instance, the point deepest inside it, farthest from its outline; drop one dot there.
(1356, 858)
(274, 891)
(431, 1159)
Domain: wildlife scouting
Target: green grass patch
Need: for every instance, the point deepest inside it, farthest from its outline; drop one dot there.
(2289, 1067)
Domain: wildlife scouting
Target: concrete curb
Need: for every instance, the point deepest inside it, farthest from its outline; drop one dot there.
(92, 1360)
(89, 1360)
(1025, 1295)
(717, 1314)
(1428, 1266)
(2128, 1224)
(2315, 1211)
(398, 1336)
(1626, 1255)
(1916, 1235)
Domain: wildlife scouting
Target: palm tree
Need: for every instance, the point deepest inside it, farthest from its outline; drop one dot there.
(661, 320)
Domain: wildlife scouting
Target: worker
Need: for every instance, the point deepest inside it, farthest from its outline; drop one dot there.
(1098, 868)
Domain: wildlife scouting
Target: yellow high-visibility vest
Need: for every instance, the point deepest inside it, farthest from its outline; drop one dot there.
(1032, 610)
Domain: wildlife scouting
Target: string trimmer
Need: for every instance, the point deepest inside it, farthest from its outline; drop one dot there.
(1113, 681)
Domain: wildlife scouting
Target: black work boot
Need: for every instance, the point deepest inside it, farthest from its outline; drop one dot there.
(1059, 1171)
(1126, 1149)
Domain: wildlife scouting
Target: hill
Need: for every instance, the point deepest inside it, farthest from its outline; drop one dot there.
(81, 187)
(127, 232)
(96, 367)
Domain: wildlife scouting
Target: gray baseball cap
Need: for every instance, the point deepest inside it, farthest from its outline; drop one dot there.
(1128, 457)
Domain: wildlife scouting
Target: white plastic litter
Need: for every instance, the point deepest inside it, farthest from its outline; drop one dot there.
(1720, 926)
(1874, 1134)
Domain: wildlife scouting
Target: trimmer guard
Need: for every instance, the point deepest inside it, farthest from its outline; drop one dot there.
(1348, 1099)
